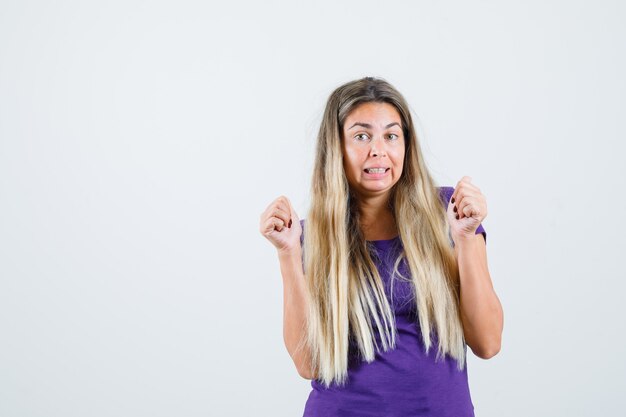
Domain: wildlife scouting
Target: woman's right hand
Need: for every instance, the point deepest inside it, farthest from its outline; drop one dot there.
(281, 226)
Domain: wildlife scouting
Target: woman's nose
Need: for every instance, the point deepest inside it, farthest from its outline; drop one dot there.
(377, 148)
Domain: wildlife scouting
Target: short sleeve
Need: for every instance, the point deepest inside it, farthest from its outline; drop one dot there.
(446, 194)
(481, 229)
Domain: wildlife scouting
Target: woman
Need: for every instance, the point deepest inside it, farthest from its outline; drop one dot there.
(385, 258)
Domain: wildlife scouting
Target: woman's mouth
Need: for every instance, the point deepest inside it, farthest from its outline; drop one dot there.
(375, 172)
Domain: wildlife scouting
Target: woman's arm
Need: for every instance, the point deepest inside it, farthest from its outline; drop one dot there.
(481, 311)
(295, 310)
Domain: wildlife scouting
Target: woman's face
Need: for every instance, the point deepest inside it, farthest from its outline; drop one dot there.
(373, 138)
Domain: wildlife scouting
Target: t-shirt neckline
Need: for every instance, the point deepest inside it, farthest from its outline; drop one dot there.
(383, 242)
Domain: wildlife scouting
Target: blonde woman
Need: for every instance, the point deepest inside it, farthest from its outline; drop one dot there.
(386, 282)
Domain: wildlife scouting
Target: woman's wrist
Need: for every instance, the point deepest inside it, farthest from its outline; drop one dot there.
(290, 253)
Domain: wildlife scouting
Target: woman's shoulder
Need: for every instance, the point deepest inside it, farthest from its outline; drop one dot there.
(445, 192)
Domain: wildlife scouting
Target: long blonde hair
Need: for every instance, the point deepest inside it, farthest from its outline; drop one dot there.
(345, 292)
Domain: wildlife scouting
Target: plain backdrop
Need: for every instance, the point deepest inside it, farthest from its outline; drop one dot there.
(140, 141)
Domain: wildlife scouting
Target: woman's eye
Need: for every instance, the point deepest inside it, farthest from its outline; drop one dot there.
(359, 135)
(393, 134)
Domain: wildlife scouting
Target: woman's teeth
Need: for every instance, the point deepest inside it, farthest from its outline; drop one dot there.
(375, 170)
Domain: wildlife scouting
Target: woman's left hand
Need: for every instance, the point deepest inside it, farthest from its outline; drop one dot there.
(468, 210)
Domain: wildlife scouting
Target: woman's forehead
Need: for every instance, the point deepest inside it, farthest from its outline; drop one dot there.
(373, 115)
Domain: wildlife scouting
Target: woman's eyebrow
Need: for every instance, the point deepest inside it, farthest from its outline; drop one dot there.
(369, 126)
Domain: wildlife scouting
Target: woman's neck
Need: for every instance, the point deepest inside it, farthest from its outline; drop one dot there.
(377, 221)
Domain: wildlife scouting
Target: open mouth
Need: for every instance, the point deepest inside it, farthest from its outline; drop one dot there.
(376, 170)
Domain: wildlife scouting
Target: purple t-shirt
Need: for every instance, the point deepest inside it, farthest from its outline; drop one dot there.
(404, 381)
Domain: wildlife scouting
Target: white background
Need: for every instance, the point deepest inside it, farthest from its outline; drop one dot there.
(140, 142)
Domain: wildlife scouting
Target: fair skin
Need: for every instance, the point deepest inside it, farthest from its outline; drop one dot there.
(481, 312)
(279, 223)
(381, 143)
(372, 137)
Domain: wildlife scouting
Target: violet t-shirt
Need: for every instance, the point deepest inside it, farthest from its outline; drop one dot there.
(404, 381)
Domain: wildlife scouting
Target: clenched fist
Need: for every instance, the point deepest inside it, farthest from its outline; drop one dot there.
(280, 225)
(466, 209)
